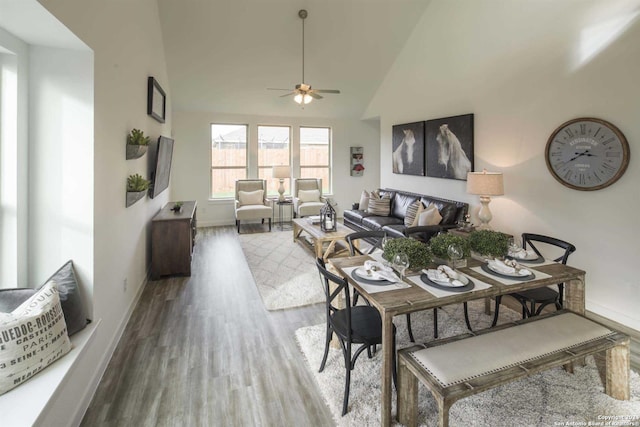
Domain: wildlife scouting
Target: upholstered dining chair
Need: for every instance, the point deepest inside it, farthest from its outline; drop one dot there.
(251, 203)
(307, 197)
(545, 296)
(361, 324)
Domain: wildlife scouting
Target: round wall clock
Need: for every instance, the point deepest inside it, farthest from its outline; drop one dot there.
(587, 154)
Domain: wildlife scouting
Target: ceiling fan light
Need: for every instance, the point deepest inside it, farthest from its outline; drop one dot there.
(307, 98)
(298, 98)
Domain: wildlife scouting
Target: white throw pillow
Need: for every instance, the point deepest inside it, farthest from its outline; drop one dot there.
(32, 337)
(250, 197)
(430, 216)
(364, 200)
(309, 195)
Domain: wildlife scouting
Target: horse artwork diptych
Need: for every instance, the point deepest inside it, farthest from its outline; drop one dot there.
(408, 149)
(449, 147)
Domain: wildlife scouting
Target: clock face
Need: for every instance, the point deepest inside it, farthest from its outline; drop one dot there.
(587, 154)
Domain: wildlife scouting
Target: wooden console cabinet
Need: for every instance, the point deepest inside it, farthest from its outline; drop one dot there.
(173, 236)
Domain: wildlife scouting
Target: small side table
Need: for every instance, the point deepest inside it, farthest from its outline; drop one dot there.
(281, 208)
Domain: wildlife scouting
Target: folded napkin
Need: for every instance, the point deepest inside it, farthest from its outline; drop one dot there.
(445, 274)
(376, 266)
(523, 253)
(510, 267)
(377, 270)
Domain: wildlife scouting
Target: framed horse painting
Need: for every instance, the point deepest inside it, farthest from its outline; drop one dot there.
(408, 149)
(449, 147)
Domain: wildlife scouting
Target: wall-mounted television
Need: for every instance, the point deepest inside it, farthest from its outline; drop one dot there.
(161, 168)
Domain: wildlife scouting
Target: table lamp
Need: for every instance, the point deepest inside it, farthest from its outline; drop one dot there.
(485, 184)
(281, 172)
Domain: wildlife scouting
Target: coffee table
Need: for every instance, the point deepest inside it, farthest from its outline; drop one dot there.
(320, 237)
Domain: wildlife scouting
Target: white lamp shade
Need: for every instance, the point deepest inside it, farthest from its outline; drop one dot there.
(281, 172)
(485, 183)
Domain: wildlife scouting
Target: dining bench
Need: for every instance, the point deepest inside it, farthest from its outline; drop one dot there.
(464, 365)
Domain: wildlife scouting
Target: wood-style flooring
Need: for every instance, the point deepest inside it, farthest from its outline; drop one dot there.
(203, 351)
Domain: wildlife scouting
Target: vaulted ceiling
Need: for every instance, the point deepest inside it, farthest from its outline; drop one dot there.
(223, 54)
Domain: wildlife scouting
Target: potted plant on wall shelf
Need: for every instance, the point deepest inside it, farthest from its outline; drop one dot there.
(137, 187)
(450, 249)
(488, 244)
(137, 144)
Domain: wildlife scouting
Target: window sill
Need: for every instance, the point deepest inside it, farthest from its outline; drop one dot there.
(39, 390)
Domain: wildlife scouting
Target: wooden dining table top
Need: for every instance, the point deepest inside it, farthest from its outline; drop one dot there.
(414, 298)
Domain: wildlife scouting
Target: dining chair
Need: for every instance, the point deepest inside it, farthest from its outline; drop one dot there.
(544, 296)
(375, 239)
(352, 325)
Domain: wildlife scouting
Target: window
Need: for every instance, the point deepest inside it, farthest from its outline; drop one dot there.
(228, 158)
(315, 155)
(273, 150)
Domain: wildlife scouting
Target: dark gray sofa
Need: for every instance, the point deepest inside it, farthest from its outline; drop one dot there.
(450, 210)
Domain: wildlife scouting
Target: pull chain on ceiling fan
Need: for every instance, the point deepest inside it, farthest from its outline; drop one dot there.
(303, 93)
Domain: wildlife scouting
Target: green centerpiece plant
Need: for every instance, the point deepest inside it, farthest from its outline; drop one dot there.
(418, 253)
(440, 245)
(489, 243)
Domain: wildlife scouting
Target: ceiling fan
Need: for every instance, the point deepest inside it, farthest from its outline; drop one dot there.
(303, 93)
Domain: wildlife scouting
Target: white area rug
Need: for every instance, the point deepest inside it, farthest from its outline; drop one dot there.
(551, 398)
(285, 273)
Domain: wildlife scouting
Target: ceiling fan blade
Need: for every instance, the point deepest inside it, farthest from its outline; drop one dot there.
(314, 95)
(327, 90)
(274, 88)
(287, 94)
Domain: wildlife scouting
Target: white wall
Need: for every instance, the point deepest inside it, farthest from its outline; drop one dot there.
(190, 176)
(14, 64)
(523, 68)
(60, 163)
(127, 44)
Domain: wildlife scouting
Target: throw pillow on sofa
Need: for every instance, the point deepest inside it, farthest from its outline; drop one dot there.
(306, 196)
(250, 197)
(412, 213)
(380, 206)
(32, 337)
(364, 200)
(430, 216)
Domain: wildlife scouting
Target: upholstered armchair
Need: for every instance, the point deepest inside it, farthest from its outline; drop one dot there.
(307, 196)
(251, 203)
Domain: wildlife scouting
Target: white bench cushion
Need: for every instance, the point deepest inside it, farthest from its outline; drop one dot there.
(463, 360)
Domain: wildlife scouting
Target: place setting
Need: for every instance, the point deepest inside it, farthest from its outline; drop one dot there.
(509, 271)
(375, 276)
(526, 256)
(444, 281)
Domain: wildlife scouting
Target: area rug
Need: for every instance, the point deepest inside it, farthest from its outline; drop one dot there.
(551, 398)
(285, 272)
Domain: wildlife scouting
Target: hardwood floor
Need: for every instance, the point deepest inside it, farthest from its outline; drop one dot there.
(203, 351)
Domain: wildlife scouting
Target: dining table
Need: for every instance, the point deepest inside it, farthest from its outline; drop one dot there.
(413, 294)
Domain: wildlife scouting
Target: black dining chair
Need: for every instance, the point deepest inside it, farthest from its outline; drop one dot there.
(544, 296)
(376, 241)
(361, 324)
